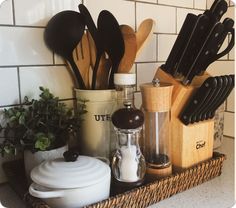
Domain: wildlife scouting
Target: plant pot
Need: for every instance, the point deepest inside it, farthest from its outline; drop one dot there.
(32, 160)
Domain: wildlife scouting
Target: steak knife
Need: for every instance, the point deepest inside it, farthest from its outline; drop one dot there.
(197, 100)
(180, 43)
(197, 116)
(221, 99)
(221, 81)
(219, 95)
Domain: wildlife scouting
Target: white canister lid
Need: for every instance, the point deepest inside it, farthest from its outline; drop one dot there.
(124, 79)
(58, 174)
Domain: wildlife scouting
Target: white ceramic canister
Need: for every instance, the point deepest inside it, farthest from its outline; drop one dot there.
(76, 184)
(97, 129)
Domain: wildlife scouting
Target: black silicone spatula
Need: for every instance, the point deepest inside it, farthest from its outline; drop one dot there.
(62, 34)
(113, 40)
(97, 40)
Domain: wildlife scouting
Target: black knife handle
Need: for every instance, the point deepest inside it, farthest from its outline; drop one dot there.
(179, 44)
(224, 96)
(209, 42)
(199, 115)
(219, 9)
(193, 42)
(218, 93)
(197, 100)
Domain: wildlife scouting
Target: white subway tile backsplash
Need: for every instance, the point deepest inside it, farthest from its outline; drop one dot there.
(232, 54)
(9, 93)
(57, 78)
(164, 45)
(181, 15)
(223, 47)
(148, 52)
(124, 11)
(229, 124)
(230, 102)
(230, 13)
(146, 72)
(58, 59)
(163, 15)
(200, 4)
(38, 12)
(181, 3)
(6, 14)
(231, 3)
(221, 68)
(23, 46)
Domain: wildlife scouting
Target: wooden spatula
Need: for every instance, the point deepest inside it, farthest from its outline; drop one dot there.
(144, 33)
(103, 68)
(81, 56)
(128, 59)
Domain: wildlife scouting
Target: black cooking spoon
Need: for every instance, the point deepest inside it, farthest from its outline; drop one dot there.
(62, 34)
(97, 40)
(113, 41)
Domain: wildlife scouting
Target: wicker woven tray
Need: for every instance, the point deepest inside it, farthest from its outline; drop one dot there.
(152, 190)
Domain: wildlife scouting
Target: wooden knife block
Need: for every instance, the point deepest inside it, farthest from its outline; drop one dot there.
(191, 144)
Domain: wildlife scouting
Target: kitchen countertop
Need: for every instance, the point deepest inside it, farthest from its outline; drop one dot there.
(217, 193)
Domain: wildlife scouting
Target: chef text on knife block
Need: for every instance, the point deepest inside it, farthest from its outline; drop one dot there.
(193, 143)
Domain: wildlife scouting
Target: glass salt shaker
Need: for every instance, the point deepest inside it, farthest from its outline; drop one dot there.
(128, 163)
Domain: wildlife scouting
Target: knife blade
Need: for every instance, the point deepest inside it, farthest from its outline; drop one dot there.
(224, 96)
(179, 44)
(197, 100)
(209, 41)
(193, 42)
(221, 82)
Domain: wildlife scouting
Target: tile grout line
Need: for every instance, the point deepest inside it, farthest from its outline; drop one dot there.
(13, 12)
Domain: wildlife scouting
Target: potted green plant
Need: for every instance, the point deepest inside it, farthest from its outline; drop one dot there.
(40, 128)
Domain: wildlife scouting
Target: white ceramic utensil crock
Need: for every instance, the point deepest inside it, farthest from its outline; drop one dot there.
(71, 184)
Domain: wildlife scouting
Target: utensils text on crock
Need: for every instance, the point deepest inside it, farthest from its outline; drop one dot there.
(97, 40)
(62, 34)
(113, 41)
(144, 33)
(130, 49)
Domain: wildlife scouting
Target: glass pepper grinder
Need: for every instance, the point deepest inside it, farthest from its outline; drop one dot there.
(128, 163)
(156, 102)
(125, 87)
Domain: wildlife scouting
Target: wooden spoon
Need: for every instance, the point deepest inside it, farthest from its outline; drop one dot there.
(130, 49)
(103, 68)
(81, 56)
(144, 33)
(62, 34)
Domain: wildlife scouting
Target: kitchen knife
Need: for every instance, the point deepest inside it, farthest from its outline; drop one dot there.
(221, 80)
(180, 43)
(210, 40)
(221, 99)
(219, 9)
(210, 52)
(195, 39)
(219, 95)
(198, 99)
(196, 115)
